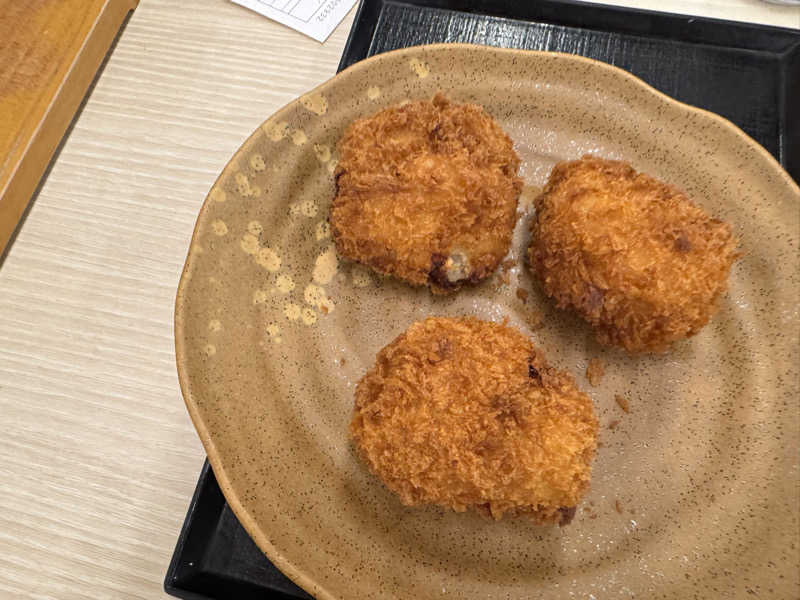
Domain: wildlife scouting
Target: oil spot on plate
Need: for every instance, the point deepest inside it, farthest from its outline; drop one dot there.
(325, 266)
(292, 311)
(255, 228)
(317, 297)
(323, 152)
(285, 284)
(309, 316)
(276, 131)
(298, 137)
(243, 187)
(419, 67)
(314, 294)
(316, 103)
(306, 208)
(269, 259)
(274, 333)
(257, 162)
(219, 227)
(249, 243)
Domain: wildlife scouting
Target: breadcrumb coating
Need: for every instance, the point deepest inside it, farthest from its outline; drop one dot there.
(427, 192)
(633, 256)
(467, 414)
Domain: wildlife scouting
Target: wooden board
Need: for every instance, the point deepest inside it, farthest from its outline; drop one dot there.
(50, 51)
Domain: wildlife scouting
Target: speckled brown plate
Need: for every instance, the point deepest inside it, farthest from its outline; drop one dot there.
(695, 491)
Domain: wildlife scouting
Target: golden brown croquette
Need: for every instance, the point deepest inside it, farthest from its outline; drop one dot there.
(467, 414)
(426, 192)
(633, 256)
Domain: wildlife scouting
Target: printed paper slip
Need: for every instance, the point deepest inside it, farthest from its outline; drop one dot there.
(315, 18)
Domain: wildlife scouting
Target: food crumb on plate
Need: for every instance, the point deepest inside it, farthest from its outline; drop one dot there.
(534, 319)
(595, 371)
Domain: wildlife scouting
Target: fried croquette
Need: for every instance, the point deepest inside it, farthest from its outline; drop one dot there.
(633, 256)
(467, 414)
(426, 192)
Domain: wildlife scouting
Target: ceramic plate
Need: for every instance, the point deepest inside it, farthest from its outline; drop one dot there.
(695, 490)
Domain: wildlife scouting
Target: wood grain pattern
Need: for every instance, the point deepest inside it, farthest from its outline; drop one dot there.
(51, 53)
(99, 459)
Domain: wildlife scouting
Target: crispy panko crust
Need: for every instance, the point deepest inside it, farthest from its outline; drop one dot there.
(426, 192)
(633, 256)
(467, 414)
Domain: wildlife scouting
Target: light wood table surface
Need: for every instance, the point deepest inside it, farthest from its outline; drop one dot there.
(98, 458)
